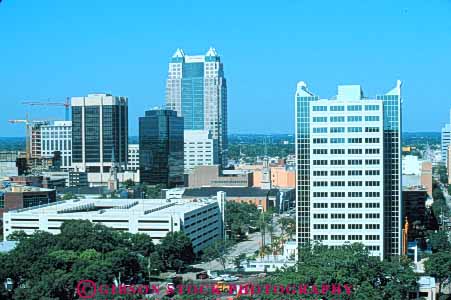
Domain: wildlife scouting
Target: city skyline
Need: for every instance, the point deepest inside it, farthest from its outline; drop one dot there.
(262, 62)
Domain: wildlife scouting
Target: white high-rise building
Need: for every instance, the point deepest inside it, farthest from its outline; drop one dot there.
(57, 137)
(196, 89)
(349, 169)
(133, 157)
(200, 149)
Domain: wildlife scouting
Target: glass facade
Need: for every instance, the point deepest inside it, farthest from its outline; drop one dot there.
(392, 174)
(77, 146)
(161, 156)
(193, 95)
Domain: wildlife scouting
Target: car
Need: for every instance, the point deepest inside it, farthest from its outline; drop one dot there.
(202, 275)
(229, 278)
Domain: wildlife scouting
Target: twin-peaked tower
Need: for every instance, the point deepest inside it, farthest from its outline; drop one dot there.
(196, 89)
(348, 169)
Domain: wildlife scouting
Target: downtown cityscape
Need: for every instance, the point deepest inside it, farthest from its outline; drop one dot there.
(198, 195)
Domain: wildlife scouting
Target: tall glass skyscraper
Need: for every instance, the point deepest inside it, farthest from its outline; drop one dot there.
(161, 148)
(196, 89)
(348, 172)
(99, 135)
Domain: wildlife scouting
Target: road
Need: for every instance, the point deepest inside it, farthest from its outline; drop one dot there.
(247, 247)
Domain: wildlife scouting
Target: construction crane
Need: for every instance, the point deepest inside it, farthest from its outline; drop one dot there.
(66, 105)
(28, 131)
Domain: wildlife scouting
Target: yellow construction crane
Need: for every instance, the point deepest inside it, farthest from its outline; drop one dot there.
(66, 105)
(28, 131)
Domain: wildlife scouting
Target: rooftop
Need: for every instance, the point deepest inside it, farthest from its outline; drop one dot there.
(230, 191)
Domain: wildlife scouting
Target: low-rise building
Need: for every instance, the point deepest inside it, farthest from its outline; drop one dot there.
(416, 172)
(211, 176)
(133, 157)
(200, 149)
(8, 165)
(19, 196)
(199, 219)
(272, 263)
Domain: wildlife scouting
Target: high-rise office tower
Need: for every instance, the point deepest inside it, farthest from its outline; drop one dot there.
(349, 168)
(196, 89)
(57, 137)
(99, 135)
(161, 148)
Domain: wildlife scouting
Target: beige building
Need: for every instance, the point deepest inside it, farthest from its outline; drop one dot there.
(211, 176)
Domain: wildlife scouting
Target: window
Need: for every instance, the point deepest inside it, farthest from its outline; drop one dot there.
(372, 151)
(372, 237)
(319, 108)
(337, 129)
(319, 162)
(372, 161)
(320, 194)
(355, 216)
(354, 129)
(337, 183)
(320, 130)
(320, 226)
(371, 107)
(372, 226)
(337, 108)
(354, 107)
(337, 194)
(337, 216)
(354, 237)
(372, 216)
(320, 141)
(354, 151)
(319, 173)
(320, 237)
(337, 173)
(372, 205)
(319, 216)
(319, 183)
(320, 205)
(337, 162)
(372, 194)
(371, 129)
(337, 226)
(319, 151)
(354, 140)
(372, 183)
(371, 140)
(354, 162)
(371, 118)
(354, 118)
(354, 194)
(337, 151)
(337, 119)
(354, 226)
(337, 140)
(372, 172)
(337, 205)
(354, 183)
(319, 119)
(337, 237)
(375, 248)
(355, 205)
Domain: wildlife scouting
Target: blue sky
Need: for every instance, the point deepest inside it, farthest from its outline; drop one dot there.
(51, 49)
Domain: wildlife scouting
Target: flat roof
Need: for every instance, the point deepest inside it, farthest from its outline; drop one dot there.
(116, 207)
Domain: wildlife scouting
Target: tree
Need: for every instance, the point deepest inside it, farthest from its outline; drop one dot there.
(240, 218)
(440, 241)
(438, 265)
(129, 183)
(238, 259)
(153, 191)
(176, 250)
(69, 196)
(220, 250)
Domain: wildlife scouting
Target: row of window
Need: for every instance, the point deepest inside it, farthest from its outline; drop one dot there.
(343, 216)
(342, 129)
(343, 183)
(338, 119)
(343, 194)
(343, 140)
(342, 107)
(342, 237)
(342, 205)
(342, 162)
(350, 151)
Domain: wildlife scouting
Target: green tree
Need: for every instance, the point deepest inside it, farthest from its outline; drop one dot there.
(438, 265)
(129, 183)
(238, 259)
(69, 196)
(440, 241)
(176, 250)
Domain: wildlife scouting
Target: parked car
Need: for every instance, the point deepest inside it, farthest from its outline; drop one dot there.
(202, 275)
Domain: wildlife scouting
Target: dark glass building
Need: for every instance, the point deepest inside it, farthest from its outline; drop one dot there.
(161, 148)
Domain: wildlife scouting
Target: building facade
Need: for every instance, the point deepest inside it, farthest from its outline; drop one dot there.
(200, 149)
(348, 169)
(99, 135)
(446, 141)
(196, 89)
(57, 137)
(133, 157)
(161, 148)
